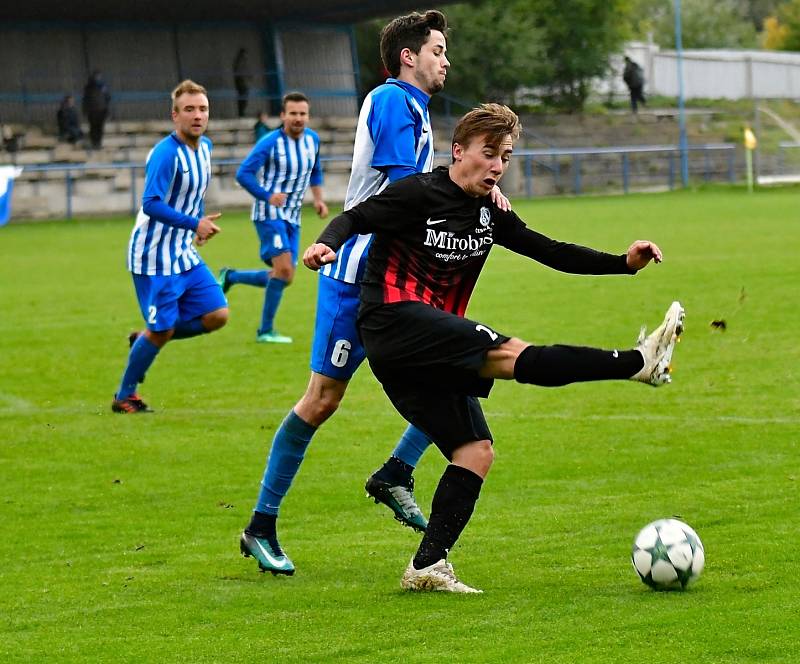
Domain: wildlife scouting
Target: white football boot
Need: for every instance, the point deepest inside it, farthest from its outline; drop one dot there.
(657, 348)
(437, 577)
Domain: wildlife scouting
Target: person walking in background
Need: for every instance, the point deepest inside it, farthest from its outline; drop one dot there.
(241, 80)
(178, 296)
(96, 105)
(69, 124)
(633, 75)
(277, 173)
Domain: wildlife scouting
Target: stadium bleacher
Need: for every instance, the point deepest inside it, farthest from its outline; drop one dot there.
(106, 175)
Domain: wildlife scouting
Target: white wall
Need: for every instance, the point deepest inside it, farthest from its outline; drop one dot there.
(710, 73)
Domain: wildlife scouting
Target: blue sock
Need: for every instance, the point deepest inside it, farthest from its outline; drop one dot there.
(272, 299)
(189, 328)
(288, 448)
(249, 277)
(411, 446)
(142, 354)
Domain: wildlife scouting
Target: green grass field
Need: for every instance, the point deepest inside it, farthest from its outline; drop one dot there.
(118, 535)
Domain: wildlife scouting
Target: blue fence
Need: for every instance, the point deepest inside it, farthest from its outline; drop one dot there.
(552, 170)
(562, 170)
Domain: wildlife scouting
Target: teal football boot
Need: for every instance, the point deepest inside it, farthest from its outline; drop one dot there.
(269, 555)
(400, 499)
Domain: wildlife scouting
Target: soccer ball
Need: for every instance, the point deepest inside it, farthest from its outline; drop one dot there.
(668, 555)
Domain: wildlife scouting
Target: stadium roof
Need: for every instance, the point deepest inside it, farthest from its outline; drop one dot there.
(333, 11)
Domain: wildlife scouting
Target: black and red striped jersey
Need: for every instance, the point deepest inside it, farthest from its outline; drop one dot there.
(431, 241)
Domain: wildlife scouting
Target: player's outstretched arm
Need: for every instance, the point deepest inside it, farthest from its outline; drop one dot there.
(317, 255)
(641, 252)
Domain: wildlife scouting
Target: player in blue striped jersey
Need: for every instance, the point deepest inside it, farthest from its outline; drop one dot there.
(178, 296)
(393, 140)
(277, 173)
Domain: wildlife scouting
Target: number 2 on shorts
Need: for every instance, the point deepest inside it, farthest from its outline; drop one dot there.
(483, 328)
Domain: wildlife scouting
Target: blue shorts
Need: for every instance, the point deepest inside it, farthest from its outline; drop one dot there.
(278, 237)
(337, 350)
(165, 300)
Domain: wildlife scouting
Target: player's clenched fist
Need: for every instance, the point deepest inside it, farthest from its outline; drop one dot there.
(318, 255)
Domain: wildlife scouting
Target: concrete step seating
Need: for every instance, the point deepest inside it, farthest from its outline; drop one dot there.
(128, 141)
(100, 187)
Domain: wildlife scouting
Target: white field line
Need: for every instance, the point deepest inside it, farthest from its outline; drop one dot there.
(12, 406)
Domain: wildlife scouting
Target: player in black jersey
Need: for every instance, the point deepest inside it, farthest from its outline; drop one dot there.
(433, 233)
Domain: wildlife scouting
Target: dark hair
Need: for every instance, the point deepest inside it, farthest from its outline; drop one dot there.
(494, 120)
(411, 31)
(293, 96)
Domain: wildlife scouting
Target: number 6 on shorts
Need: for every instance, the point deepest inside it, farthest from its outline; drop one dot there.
(341, 352)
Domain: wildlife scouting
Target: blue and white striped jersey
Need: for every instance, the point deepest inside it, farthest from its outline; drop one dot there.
(176, 180)
(394, 130)
(280, 163)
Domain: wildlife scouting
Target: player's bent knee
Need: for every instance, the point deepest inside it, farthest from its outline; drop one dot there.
(283, 275)
(316, 410)
(159, 339)
(321, 400)
(500, 361)
(327, 406)
(214, 320)
(477, 457)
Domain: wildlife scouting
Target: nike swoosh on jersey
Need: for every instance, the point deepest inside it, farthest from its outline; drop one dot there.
(432, 222)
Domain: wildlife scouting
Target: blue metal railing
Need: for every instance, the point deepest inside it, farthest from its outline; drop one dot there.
(70, 170)
(577, 157)
(548, 161)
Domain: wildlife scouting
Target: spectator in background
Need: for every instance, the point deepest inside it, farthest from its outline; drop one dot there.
(69, 124)
(10, 139)
(96, 105)
(633, 75)
(241, 80)
(260, 128)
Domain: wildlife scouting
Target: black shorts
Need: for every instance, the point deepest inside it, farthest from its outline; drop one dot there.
(427, 361)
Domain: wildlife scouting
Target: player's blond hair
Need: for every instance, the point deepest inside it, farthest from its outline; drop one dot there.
(187, 87)
(495, 121)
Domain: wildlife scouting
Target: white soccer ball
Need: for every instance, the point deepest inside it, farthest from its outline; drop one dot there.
(668, 555)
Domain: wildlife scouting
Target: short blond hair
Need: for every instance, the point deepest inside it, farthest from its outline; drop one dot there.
(187, 87)
(494, 120)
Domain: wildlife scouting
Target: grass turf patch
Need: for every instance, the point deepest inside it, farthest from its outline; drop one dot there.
(119, 533)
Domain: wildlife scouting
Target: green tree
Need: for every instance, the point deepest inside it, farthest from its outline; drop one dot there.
(783, 30)
(704, 23)
(498, 47)
(578, 37)
(491, 46)
(494, 48)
